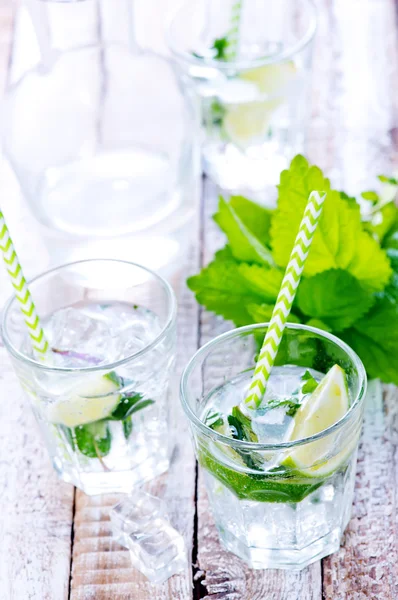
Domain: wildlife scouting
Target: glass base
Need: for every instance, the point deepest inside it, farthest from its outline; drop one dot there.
(92, 483)
(278, 558)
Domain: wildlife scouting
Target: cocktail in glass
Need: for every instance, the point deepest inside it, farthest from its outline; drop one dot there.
(254, 102)
(283, 501)
(100, 395)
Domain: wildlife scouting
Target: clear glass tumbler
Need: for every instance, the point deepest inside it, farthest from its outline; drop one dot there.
(101, 397)
(254, 102)
(102, 139)
(269, 508)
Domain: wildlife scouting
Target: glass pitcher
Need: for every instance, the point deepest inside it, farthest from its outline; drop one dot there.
(102, 139)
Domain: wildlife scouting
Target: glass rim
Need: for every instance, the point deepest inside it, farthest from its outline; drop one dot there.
(225, 65)
(171, 318)
(255, 446)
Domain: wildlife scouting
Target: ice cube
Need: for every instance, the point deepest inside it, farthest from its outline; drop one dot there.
(134, 513)
(140, 524)
(158, 551)
(80, 337)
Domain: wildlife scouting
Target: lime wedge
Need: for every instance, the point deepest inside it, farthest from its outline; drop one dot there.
(247, 123)
(322, 409)
(271, 79)
(93, 401)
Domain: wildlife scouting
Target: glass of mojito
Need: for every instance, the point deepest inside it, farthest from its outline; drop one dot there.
(253, 93)
(100, 396)
(280, 478)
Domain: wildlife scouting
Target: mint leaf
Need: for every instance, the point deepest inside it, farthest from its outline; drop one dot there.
(372, 196)
(256, 218)
(214, 419)
(241, 425)
(261, 313)
(291, 405)
(93, 439)
(382, 220)
(243, 243)
(375, 339)
(390, 180)
(309, 383)
(123, 409)
(335, 297)
(318, 324)
(227, 287)
(127, 427)
(220, 45)
(339, 242)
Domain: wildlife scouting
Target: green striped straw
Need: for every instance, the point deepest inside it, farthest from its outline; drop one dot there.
(22, 293)
(285, 299)
(234, 32)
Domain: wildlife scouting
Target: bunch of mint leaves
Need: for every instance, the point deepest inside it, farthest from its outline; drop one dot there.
(350, 280)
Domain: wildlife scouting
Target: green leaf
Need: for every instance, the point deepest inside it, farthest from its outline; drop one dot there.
(372, 196)
(261, 313)
(382, 220)
(390, 180)
(127, 427)
(227, 287)
(391, 239)
(291, 405)
(318, 324)
(335, 297)
(128, 405)
(256, 218)
(214, 419)
(339, 242)
(243, 243)
(93, 439)
(220, 45)
(392, 254)
(242, 425)
(309, 383)
(375, 339)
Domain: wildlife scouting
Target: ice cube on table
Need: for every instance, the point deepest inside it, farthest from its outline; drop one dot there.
(134, 513)
(158, 552)
(140, 523)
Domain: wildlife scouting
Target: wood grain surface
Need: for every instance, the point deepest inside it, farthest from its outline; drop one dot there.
(55, 544)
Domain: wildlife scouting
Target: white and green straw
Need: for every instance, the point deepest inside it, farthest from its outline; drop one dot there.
(285, 299)
(234, 31)
(22, 293)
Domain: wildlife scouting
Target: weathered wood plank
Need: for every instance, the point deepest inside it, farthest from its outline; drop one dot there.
(35, 508)
(221, 574)
(359, 85)
(101, 568)
(366, 565)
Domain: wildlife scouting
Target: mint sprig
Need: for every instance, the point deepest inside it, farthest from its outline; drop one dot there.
(350, 281)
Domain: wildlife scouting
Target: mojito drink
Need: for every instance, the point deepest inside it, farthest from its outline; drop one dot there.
(280, 477)
(252, 95)
(101, 396)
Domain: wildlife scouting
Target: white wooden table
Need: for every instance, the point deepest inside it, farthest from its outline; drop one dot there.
(55, 542)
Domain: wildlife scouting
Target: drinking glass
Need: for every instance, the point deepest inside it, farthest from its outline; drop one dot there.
(103, 407)
(254, 103)
(271, 509)
(102, 138)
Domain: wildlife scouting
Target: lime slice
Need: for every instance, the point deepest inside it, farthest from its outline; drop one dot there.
(92, 401)
(322, 409)
(247, 123)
